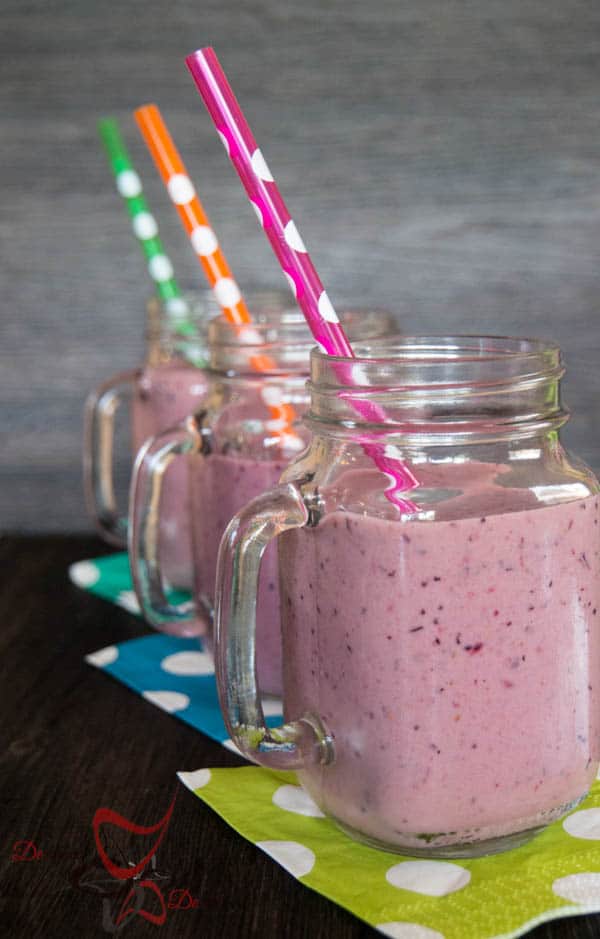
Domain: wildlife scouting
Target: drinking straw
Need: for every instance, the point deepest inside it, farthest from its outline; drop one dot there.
(191, 212)
(287, 243)
(205, 244)
(143, 222)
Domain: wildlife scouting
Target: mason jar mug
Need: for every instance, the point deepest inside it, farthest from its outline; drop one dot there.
(441, 642)
(162, 391)
(238, 443)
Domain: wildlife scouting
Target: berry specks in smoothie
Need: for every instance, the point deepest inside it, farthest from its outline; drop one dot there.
(426, 684)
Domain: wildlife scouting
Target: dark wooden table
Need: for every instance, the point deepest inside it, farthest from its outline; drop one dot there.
(75, 741)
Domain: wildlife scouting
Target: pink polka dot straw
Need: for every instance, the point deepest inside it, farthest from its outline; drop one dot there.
(286, 242)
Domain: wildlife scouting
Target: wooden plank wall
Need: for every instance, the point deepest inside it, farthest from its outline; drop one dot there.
(441, 158)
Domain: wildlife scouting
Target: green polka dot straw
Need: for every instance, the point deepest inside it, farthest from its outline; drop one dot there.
(145, 227)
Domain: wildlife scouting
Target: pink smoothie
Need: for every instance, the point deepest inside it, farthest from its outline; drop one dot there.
(455, 662)
(164, 396)
(220, 487)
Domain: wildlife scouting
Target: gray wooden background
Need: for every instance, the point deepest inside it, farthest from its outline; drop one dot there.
(441, 157)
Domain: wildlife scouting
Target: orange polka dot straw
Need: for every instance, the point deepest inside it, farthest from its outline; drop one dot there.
(194, 219)
(204, 241)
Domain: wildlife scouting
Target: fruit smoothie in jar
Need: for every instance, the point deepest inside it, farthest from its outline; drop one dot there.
(241, 439)
(165, 394)
(473, 718)
(221, 486)
(164, 390)
(441, 662)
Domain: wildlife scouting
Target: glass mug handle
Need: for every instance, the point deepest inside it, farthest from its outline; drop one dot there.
(298, 743)
(98, 455)
(152, 462)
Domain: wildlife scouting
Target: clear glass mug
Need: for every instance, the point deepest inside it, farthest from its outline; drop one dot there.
(162, 391)
(441, 663)
(236, 449)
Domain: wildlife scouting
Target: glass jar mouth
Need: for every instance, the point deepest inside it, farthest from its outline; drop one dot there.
(440, 385)
(422, 361)
(191, 312)
(273, 328)
(176, 328)
(281, 338)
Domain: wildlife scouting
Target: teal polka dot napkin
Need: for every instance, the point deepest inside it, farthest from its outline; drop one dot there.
(555, 875)
(174, 674)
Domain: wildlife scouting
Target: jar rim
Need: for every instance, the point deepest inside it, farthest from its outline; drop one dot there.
(288, 325)
(192, 308)
(437, 361)
(282, 338)
(468, 347)
(440, 384)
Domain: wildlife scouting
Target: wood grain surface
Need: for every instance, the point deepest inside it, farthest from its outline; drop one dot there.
(441, 158)
(73, 740)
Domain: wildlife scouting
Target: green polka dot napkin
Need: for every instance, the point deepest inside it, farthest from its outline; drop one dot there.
(555, 875)
(109, 577)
